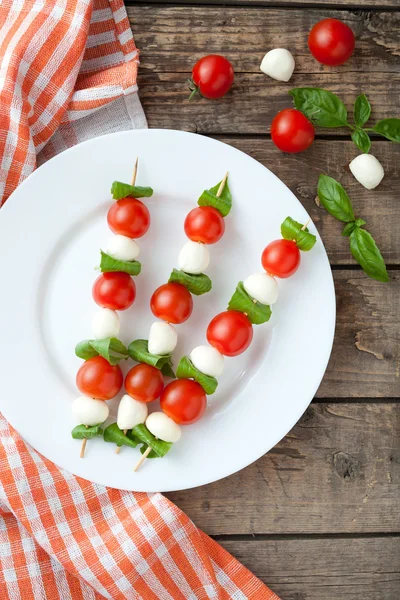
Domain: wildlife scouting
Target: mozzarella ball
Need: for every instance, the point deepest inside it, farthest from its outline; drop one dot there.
(207, 360)
(90, 411)
(122, 248)
(163, 428)
(162, 338)
(131, 412)
(367, 170)
(194, 258)
(262, 287)
(278, 64)
(105, 323)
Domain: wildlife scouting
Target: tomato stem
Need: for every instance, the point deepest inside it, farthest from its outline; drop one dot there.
(194, 89)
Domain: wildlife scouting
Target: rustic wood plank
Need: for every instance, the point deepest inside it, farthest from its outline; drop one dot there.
(337, 471)
(324, 569)
(355, 4)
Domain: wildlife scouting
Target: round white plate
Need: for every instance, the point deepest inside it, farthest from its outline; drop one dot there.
(51, 230)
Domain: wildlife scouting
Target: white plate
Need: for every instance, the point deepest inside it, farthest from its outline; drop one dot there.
(50, 233)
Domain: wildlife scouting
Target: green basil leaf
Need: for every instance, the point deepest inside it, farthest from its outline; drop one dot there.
(305, 240)
(85, 351)
(196, 284)
(115, 435)
(349, 228)
(334, 198)
(320, 106)
(389, 128)
(362, 110)
(292, 230)
(112, 349)
(187, 370)
(159, 447)
(360, 222)
(223, 203)
(123, 190)
(256, 312)
(361, 140)
(167, 370)
(139, 351)
(367, 254)
(81, 432)
(109, 264)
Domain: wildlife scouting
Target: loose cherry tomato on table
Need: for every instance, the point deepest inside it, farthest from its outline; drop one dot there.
(144, 383)
(129, 217)
(184, 401)
(281, 258)
(205, 224)
(291, 131)
(172, 302)
(331, 42)
(98, 379)
(230, 332)
(114, 290)
(212, 77)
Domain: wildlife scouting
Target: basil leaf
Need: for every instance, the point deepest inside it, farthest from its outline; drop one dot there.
(112, 349)
(223, 203)
(108, 264)
(360, 222)
(81, 432)
(334, 198)
(349, 228)
(115, 435)
(361, 140)
(196, 284)
(187, 370)
(123, 190)
(138, 350)
(292, 230)
(256, 312)
(320, 106)
(367, 254)
(389, 128)
(362, 110)
(167, 371)
(159, 447)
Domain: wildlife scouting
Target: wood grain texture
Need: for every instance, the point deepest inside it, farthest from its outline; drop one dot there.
(324, 569)
(337, 471)
(322, 4)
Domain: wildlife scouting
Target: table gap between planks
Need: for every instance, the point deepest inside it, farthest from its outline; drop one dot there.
(317, 518)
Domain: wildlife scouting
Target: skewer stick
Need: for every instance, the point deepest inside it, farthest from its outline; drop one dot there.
(134, 172)
(142, 459)
(305, 225)
(83, 446)
(118, 448)
(222, 185)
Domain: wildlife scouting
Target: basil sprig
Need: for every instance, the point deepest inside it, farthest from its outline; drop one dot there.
(115, 435)
(256, 312)
(223, 203)
(293, 230)
(139, 351)
(123, 190)
(187, 370)
(159, 447)
(81, 432)
(112, 349)
(196, 284)
(109, 264)
(334, 198)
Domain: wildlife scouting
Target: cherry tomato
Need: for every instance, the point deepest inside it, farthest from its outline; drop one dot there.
(230, 332)
(331, 42)
(144, 383)
(205, 224)
(172, 302)
(184, 401)
(114, 290)
(212, 77)
(129, 217)
(281, 258)
(291, 131)
(98, 379)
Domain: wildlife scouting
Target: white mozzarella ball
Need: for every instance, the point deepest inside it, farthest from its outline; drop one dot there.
(207, 360)
(90, 411)
(278, 64)
(163, 428)
(122, 248)
(105, 323)
(262, 287)
(367, 170)
(194, 258)
(131, 412)
(162, 338)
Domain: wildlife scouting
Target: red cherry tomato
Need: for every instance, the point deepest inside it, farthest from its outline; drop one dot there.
(212, 76)
(331, 42)
(172, 302)
(144, 383)
(98, 379)
(184, 401)
(230, 332)
(291, 131)
(114, 290)
(129, 217)
(281, 258)
(205, 224)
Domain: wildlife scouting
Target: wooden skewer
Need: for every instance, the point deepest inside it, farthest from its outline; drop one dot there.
(134, 172)
(118, 448)
(305, 225)
(142, 459)
(222, 185)
(83, 446)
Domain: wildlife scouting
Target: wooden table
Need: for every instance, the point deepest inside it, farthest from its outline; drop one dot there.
(318, 517)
